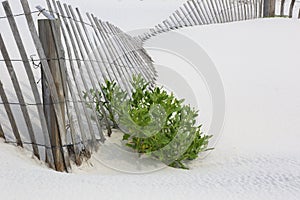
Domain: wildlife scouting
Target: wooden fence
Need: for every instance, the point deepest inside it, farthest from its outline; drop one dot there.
(76, 54)
(204, 12)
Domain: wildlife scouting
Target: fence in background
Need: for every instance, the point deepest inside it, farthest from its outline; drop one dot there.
(204, 12)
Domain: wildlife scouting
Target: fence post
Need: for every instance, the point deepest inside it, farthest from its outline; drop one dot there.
(48, 44)
(269, 8)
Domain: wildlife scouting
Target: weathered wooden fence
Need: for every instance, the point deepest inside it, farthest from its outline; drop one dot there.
(204, 12)
(74, 56)
(77, 54)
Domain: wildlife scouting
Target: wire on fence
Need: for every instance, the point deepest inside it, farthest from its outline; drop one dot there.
(68, 59)
(52, 146)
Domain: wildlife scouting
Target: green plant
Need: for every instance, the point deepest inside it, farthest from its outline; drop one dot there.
(109, 91)
(156, 123)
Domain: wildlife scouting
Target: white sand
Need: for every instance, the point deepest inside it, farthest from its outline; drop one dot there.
(257, 157)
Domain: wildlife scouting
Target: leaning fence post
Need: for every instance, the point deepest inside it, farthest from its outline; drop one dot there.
(48, 43)
(269, 8)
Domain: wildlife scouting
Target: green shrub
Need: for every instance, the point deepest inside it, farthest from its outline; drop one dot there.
(155, 123)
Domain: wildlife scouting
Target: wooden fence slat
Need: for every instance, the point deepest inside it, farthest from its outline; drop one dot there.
(136, 68)
(20, 97)
(258, 8)
(118, 53)
(219, 10)
(212, 16)
(239, 10)
(224, 10)
(245, 9)
(252, 9)
(167, 25)
(248, 9)
(291, 8)
(127, 53)
(91, 44)
(248, 6)
(203, 12)
(97, 58)
(244, 6)
(104, 55)
(159, 30)
(37, 98)
(261, 8)
(69, 11)
(66, 79)
(112, 57)
(176, 25)
(118, 57)
(51, 84)
(255, 8)
(234, 9)
(139, 54)
(181, 18)
(161, 27)
(2, 135)
(180, 24)
(88, 64)
(75, 103)
(282, 5)
(195, 12)
(230, 10)
(78, 87)
(189, 14)
(10, 116)
(78, 62)
(115, 65)
(98, 55)
(215, 11)
(130, 54)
